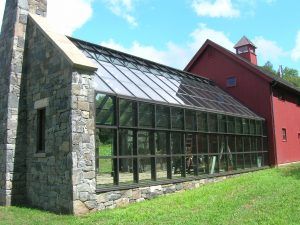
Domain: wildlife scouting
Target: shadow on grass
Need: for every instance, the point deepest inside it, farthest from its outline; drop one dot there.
(291, 170)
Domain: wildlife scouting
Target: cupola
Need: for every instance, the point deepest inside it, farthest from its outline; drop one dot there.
(246, 49)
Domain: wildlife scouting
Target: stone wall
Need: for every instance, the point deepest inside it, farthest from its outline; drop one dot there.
(83, 143)
(63, 178)
(48, 84)
(12, 126)
(114, 199)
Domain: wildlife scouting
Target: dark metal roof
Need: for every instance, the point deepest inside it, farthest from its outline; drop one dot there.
(132, 77)
(243, 42)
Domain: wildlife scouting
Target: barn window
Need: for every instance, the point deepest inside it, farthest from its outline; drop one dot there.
(284, 135)
(41, 121)
(231, 82)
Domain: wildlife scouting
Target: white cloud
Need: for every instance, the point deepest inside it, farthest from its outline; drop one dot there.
(2, 4)
(296, 50)
(268, 50)
(215, 8)
(69, 15)
(202, 33)
(65, 15)
(123, 9)
(173, 54)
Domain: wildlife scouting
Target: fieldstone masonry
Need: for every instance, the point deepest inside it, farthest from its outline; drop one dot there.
(12, 139)
(48, 84)
(114, 199)
(83, 143)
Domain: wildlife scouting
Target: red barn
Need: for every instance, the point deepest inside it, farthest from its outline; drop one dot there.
(270, 97)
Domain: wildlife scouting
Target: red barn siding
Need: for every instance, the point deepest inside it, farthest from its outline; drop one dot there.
(287, 115)
(252, 90)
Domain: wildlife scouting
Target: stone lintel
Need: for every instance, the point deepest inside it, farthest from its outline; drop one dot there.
(42, 103)
(77, 59)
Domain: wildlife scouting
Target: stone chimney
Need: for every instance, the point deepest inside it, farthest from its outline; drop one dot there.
(246, 49)
(12, 39)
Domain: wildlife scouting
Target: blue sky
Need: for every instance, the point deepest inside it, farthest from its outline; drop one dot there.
(171, 31)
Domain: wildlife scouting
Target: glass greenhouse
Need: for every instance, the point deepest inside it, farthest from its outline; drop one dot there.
(156, 124)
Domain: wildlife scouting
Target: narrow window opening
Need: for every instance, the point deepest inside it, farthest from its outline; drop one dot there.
(41, 125)
(284, 135)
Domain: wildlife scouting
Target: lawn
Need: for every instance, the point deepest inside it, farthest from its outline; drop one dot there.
(265, 197)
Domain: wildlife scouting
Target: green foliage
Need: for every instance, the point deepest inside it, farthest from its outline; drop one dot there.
(292, 76)
(265, 197)
(268, 67)
(289, 74)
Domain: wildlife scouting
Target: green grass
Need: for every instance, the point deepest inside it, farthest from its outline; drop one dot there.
(105, 150)
(105, 164)
(265, 197)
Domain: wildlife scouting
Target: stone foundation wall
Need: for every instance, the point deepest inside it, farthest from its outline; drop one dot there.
(114, 199)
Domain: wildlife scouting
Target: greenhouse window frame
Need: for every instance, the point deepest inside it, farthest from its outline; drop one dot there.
(169, 156)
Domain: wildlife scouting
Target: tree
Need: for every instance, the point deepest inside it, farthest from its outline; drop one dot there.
(289, 74)
(268, 67)
(292, 76)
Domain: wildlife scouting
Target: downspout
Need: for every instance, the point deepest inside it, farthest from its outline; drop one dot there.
(273, 84)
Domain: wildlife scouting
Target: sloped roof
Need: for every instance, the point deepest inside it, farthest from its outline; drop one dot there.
(243, 42)
(254, 68)
(128, 76)
(63, 44)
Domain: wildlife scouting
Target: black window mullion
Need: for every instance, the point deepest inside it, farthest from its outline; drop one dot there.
(169, 158)
(243, 143)
(154, 117)
(183, 158)
(135, 157)
(152, 152)
(116, 160)
(219, 153)
(196, 121)
(184, 122)
(235, 150)
(196, 167)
